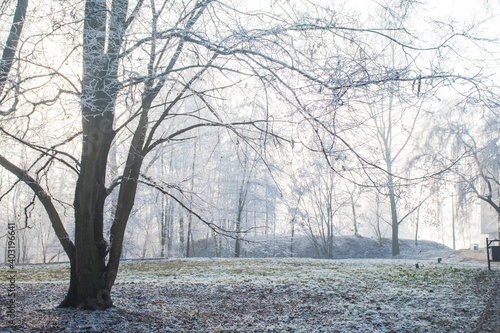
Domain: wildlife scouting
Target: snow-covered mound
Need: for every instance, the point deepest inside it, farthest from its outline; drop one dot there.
(342, 247)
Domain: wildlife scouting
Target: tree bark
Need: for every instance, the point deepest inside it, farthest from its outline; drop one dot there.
(10, 47)
(88, 285)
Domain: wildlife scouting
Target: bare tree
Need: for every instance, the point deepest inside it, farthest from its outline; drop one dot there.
(395, 105)
(196, 46)
(475, 144)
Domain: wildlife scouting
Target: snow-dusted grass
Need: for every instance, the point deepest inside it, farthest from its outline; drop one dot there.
(43, 273)
(266, 295)
(296, 271)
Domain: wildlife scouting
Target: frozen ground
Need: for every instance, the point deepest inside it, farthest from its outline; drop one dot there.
(269, 295)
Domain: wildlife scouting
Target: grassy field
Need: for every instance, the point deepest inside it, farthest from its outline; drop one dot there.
(276, 295)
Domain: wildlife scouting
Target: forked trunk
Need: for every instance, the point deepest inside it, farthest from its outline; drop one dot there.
(88, 288)
(85, 298)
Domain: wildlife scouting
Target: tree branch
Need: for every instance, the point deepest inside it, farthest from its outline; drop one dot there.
(46, 201)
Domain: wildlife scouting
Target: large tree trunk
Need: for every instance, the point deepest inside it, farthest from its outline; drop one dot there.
(91, 248)
(90, 195)
(88, 284)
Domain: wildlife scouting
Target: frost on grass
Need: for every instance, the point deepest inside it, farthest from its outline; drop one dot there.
(264, 295)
